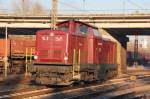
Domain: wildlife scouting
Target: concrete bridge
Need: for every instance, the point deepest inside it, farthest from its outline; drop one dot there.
(117, 26)
(100, 20)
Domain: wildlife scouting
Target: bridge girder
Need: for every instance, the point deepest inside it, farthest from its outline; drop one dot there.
(100, 20)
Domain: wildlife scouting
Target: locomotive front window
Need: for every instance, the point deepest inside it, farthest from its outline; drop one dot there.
(64, 27)
(82, 29)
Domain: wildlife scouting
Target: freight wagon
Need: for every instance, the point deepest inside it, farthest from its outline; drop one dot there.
(16, 53)
(3, 53)
(75, 52)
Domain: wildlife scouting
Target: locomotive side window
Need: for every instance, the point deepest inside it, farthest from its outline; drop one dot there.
(82, 29)
(64, 27)
(96, 32)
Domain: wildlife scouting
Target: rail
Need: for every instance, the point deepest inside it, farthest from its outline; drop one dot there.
(90, 91)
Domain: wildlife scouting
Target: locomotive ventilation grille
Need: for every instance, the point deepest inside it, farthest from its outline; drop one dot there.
(50, 54)
(44, 54)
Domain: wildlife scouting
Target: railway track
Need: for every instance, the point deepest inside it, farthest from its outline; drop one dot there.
(60, 93)
(90, 92)
(132, 93)
(16, 94)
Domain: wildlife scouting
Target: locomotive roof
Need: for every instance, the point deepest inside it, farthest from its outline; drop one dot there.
(77, 22)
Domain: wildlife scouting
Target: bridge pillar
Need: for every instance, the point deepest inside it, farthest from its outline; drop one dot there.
(121, 50)
(123, 41)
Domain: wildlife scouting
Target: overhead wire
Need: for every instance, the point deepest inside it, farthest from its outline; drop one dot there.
(71, 6)
(85, 10)
(110, 10)
(135, 4)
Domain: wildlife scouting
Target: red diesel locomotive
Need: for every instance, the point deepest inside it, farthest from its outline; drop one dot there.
(73, 52)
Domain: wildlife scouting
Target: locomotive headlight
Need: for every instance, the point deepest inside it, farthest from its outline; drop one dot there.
(65, 58)
(35, 57)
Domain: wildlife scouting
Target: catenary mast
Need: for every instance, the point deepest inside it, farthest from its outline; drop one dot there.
(54, 14)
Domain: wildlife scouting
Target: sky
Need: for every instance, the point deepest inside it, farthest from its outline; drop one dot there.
(88, 6)
(91, 6)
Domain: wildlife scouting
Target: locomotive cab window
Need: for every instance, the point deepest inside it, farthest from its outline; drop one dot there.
(96, 32)
(82, 29)
(64, 27)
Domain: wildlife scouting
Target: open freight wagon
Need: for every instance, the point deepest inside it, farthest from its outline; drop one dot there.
(17, 51)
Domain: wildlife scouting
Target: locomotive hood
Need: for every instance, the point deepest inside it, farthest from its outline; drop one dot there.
(52, 46)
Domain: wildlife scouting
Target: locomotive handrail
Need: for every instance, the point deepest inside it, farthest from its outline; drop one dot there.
(30, 59)
(79, 63)
(76, 62)
(30, 55)
(26, 61)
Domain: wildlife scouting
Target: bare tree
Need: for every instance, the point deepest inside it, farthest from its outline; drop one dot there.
(37, 9)
(21, 6)
(27, 7)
